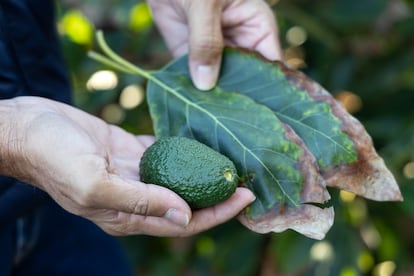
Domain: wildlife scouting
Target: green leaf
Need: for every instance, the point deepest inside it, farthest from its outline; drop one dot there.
(343, 149)
(284, 132)
(268, 85)
(269, 156)
(236, 126)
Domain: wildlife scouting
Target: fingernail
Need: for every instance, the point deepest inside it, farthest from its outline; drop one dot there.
(205, 77)
(177, 217)
(251, 194)
(253, 198)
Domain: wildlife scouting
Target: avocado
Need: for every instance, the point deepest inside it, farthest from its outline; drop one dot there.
(200, 175)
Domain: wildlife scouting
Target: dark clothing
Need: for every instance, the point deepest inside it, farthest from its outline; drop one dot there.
(30, 56)
(30, 64)
(37, 237)
(54, 242)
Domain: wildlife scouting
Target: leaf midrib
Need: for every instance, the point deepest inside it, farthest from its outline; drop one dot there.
(157, 81)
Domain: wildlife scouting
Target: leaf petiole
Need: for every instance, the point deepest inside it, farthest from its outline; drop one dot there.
(114, 59)
(106, 61)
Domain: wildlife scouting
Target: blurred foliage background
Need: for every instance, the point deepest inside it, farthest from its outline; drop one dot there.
(360, 51)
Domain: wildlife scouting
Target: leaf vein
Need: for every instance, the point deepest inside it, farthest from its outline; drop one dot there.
(228, 131)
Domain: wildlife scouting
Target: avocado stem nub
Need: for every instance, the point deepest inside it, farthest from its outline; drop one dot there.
(228, 175)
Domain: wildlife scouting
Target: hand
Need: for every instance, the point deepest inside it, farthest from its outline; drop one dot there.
(91, 169)
(203, 27)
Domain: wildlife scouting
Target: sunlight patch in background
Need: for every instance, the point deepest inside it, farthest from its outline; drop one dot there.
(102, 80)
(370, 236)
(365, 261)
(346, 196)
(386, 268)
(296, 36)
(131, 96)
(205, 246)
(77, 27)
(358, 212)
(294, 55)
(322, 251)
(408, 170)
(348, 271)
(140, 17)
(113, 113)
(351, 101)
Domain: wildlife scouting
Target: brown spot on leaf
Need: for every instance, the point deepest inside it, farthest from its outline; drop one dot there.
(368, 176)
(309, 220)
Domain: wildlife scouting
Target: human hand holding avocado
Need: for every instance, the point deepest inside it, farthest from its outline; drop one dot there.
(91, 169)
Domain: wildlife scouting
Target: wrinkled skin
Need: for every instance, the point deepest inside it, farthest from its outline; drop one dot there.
(91, 169)
(202, 28)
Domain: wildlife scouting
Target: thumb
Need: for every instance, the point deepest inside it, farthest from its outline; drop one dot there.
(134, 197)
(205, 42)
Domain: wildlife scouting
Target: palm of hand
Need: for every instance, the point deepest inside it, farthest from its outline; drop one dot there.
(91, 169)
(84, 157)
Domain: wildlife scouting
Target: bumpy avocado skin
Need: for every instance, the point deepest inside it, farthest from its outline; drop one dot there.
(200, 175)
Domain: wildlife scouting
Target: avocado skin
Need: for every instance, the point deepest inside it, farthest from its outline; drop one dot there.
(200, 175)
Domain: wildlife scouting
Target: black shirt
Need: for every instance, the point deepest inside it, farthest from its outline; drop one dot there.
(31, 64)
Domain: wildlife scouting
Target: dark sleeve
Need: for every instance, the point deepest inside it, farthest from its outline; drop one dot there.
(31, 64)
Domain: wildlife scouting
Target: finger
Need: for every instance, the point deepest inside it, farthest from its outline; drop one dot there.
(203, 219)
(146, 140)
(269, 45)
(126, 224)
(146, 200)
(205, 42)
(209, 217)
(252, 24)
(172, 24)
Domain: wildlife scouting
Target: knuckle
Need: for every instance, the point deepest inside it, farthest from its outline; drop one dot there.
(206, 6)
(85, 199)
(141, 206)
(208, 47)
(122, 225)
(112, 231)
(90, 193)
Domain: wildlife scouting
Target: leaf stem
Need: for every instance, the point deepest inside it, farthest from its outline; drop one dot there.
(106, 61)
(116, 59)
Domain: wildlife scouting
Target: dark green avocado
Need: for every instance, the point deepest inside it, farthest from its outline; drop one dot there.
(200, 175)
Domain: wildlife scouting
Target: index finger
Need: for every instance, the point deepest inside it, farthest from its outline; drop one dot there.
(201, 220)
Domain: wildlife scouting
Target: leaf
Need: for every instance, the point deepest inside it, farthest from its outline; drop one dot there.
(268, 155)
(343, 149)
(283, 131)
